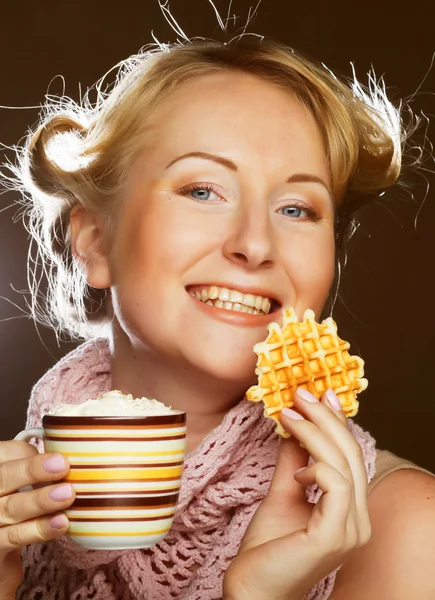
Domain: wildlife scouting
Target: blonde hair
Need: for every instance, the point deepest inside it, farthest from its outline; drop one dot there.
(80, 153)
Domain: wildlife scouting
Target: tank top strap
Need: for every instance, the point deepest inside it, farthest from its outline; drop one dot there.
(387, 463)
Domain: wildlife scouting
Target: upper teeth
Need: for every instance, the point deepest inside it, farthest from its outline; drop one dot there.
(233, 300)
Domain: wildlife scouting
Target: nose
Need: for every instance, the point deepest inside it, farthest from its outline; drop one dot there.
(250, 241)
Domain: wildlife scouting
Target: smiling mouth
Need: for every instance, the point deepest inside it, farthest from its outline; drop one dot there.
(234, 300)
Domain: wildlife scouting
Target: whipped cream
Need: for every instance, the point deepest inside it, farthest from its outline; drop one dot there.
(113, 404)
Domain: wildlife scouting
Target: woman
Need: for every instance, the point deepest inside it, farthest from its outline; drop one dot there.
(237, 167)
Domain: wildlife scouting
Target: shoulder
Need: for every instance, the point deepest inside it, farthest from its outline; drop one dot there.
(398, 561)
(404, 503)
(404, 486)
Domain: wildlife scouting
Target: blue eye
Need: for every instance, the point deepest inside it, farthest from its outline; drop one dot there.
(201, 193)
(293, 211)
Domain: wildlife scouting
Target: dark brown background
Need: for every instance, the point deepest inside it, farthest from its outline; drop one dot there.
(387, 294)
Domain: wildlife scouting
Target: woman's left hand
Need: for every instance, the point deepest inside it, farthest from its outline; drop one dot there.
(290, 543)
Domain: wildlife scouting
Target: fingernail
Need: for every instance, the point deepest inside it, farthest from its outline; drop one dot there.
(333, 400)
(58, 522)
(292, 414)
(61, 492)
(305, 395)
(54, 464)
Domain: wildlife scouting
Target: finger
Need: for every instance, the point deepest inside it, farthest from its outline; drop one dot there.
(14, 449)
(331, 422)
(291, 457)
(16, 474)
(334, 424)
(32, 532)
(331, 400)
(330, 522)
(353, 451)
(318, 444)
(17, 508)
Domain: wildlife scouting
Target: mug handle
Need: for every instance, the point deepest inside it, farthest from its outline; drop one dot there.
(26, 435)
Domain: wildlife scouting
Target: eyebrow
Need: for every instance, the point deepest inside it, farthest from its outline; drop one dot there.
(214, 157)
(229, 164)
(308, 178)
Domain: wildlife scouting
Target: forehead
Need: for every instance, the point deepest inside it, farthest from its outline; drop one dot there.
(238, 114)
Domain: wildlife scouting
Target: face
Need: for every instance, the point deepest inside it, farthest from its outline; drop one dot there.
(228, 217)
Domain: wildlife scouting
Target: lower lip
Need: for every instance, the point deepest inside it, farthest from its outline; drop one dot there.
(235, 317)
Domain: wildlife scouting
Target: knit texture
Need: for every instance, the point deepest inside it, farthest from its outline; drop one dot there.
(224, 481)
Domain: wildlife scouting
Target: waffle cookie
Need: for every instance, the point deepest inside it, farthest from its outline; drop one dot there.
(308, 355)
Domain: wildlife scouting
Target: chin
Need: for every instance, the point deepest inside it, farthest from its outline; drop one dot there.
(235, 370)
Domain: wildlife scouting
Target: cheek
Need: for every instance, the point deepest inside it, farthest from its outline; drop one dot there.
(310, 265)
(177, 235)
(159, 244)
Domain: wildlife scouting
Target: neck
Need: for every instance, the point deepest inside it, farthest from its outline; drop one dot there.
(142, 373)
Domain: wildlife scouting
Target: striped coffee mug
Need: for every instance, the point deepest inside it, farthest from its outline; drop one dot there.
(126, 472)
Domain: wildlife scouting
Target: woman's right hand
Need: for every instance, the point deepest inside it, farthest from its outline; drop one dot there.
(32, 516)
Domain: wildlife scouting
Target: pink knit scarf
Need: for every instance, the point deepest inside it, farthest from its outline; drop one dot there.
(224, 481)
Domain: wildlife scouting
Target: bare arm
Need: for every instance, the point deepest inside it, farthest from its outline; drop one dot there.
(398, 561)
(10, 575)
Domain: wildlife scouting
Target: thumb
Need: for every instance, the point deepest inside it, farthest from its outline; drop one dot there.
(291, 457)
